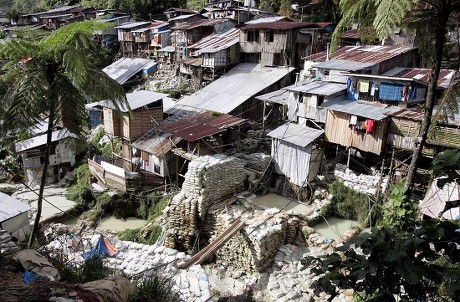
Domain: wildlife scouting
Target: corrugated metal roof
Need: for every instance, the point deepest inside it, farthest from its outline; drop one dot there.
(123, 69)
(423, 74)
(416, 114)
(364, 53)
(182, 17)
(267, 20)
(156, 142)
(178, 9)
(190, 61)
(11, 207)
(280, 25)
(41, 140)
(169, 48)
(320, 88)
(168, 103)
(295, 134)
(196, 126)
(366, 110)
(346, 65)
(137, 99)
(215, 42)
(129, 25)
(278, 96)
(199, 23)
(235, 87)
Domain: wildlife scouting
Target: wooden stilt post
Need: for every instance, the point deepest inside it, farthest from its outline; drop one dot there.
(348, 159)
(263, 118)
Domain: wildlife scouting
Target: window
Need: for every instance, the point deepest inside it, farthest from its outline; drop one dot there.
(156, 168)
(269, 36)
(253, 35)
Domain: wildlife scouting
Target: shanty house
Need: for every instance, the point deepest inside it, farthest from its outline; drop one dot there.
(234, 92)
(295, 153)
(14, 216)
(129, 71)
(62, 155)
(218, 52)
(275, 43)
(109, 36)
(146, 112)
(366, 59)
(166, 149)
(305, 100)
(175, 12)
(405, 122)
(127, 38)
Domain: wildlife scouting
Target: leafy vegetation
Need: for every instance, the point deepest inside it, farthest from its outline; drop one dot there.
(156, 289)
(148, 235)
(347, 203)
(152, 206)
(398, 212)
(91, 270)
(395, 264)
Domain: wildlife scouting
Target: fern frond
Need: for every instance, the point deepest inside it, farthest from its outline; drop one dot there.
(390, 14)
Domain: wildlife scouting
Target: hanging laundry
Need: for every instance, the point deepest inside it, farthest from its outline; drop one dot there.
(390, 91)
(363, 86)
(413, 93)
(369, 125)
(405, 93)
(372, 89)
(353, 119)
(348, 83)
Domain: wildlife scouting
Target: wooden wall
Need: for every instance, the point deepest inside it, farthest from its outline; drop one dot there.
(337, 131)
(143, 120)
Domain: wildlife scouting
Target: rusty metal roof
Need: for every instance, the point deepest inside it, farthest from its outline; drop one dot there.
(422, 74)
(280, 25)
(216, 42)
(156, 142)
(196, 126)
(199, 23)
(416, 114)
(364, 53)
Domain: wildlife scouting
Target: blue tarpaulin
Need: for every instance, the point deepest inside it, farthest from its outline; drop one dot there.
(391, 91)
(102, 248)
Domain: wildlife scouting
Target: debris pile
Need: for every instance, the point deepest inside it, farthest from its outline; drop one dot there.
(362, 183)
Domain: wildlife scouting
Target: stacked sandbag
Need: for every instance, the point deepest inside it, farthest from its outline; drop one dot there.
(209, 179)
(254, 247)
(7, 246)
(362, 183)
(258, 161)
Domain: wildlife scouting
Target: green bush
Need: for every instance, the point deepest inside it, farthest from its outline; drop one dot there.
(84, 175)
(152, 206)
(146, 236)
(347, 203)
(156, 289)
(80, 194)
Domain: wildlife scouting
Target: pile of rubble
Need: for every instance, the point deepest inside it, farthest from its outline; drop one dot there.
(367, 184)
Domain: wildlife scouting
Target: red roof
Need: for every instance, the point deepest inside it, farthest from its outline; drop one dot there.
(364, 53)
(281, 25)
(203, 124)
(199, 23)
(423, 74)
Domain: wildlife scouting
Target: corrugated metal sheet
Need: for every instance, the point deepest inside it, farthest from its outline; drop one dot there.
(295, 134)
(320, 88)
(366, 110)
(11, 207)
(125, 68)
(364, 53)
(178, 9)
(267, 20)
(169, 48)
(41, 140)
(423, 74)
(416, 114)
(280, 25)
(129, 25)
(336, 64)
(156, 142)
(278, 96)
(182, 17)
(200, 23)
(137, 99)
(235, 87)
(190, 61)
(216, 42)
(199, 125)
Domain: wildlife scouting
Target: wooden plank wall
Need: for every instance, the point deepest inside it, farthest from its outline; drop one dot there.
(144, 120)
(337, 131)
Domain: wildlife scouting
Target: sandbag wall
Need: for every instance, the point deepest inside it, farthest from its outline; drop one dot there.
(255, 246)
(209, 179)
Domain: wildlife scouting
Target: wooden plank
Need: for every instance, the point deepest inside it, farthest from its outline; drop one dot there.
(202, 255)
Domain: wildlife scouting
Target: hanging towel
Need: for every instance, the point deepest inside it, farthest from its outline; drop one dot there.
(372, 89)
(353, 119)
(413, 93)
(369, 125)
(363, 86)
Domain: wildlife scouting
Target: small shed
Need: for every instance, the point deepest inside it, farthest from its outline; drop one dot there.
(14, 216)
(295, 153)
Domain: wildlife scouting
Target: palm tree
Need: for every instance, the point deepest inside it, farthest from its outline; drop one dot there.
(54, 78)
(383, 16)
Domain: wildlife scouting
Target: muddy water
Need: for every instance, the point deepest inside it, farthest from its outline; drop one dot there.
(335, 228)
(272, 200)
(118, 225)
